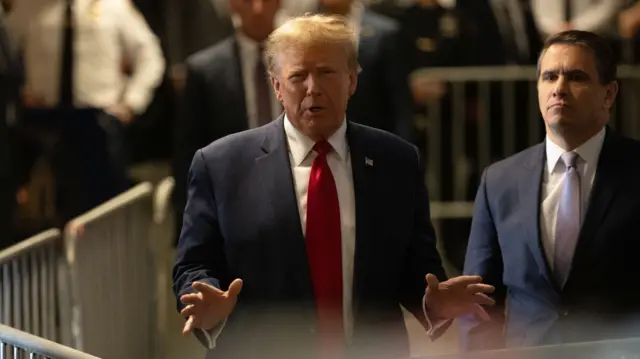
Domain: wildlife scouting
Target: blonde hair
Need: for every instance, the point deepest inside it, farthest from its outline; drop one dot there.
(308, 30)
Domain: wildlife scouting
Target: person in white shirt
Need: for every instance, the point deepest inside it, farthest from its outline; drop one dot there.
(105, 33)
(555, 227)
(76, 90)
(599, 16)
(323, 223)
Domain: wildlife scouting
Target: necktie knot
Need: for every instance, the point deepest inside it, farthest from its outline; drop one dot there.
(322, 147)
(570, 159)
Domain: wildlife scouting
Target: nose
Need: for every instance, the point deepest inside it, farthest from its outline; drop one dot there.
(313, 86)
(258, 6)
(560, 87)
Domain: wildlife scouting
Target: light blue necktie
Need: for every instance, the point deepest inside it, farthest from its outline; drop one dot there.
(568, 222)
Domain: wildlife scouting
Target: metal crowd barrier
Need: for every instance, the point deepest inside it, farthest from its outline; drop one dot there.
(112, 277)
(17, 344)
(607, 349)
(31, 277)
(162, 236)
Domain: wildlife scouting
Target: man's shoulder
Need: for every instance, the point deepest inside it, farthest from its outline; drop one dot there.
(514, 162)
(385, 142)
(213, 55)
(627, 146)
(232, 146)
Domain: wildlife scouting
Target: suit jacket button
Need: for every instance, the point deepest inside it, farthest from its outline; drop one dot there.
(565, 313)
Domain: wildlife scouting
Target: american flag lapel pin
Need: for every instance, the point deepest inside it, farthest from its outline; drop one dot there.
(368, 162)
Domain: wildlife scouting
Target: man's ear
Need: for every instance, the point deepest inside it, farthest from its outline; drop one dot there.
(610, 94)
(353, 81)
(277, 87)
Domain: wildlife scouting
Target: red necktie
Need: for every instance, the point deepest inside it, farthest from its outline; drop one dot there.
(324, 251)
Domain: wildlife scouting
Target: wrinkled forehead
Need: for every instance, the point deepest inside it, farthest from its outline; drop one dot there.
(308, 56)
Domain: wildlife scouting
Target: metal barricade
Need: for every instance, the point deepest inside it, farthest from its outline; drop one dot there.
(112, 277)
(616, 348)
(17, 344)
(30, 291)
(162, 236)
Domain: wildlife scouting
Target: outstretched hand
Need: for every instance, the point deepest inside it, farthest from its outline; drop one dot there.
(458, 296)
(209, 305)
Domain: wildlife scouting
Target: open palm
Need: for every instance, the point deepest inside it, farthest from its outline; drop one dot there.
(209, 305)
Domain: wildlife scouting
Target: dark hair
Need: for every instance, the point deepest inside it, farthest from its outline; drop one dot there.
(605, 61)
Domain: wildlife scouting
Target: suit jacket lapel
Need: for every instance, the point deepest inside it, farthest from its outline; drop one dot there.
(530, 184)
(273, 171)
(362, 161)
(605, 184)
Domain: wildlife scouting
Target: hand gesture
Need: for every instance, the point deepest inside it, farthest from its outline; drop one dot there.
(122, 112)
(458, 296)
(209, 306)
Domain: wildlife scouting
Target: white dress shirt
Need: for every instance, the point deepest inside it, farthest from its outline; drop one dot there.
(106, 32)
(553, 183)
(301, 156)
(589, 15)
(249, 52)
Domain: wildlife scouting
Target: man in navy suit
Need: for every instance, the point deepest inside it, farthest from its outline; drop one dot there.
(555, 227)
(221, 94)
(323, 223)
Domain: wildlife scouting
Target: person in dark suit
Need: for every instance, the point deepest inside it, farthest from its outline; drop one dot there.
(323, 223)
(555, 226)
(383, 99)
(10, 71)
(226, 91)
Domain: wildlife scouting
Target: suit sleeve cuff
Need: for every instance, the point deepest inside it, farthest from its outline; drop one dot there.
(433, 324)
(209, 337)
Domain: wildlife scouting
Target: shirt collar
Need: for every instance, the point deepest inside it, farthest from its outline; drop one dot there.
(447, 4)
(249, 48)
(300, 145)
(589, 151)
(355, 14)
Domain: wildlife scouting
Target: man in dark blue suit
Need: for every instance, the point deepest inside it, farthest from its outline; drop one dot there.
(555, 227)
(323, 223)
(221, 94)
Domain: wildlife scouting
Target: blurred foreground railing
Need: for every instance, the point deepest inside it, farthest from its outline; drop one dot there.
(609, 349)
(17, 344)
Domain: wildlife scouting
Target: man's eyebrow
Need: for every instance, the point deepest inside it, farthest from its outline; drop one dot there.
(569, 72)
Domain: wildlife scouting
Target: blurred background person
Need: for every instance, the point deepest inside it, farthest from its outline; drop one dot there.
(629, 21)
(10, 72)
(78, 102)
(599, 16)
(383, 98)
(227, 89)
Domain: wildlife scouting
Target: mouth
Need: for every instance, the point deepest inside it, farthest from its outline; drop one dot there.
(315, 109)
(559, 105)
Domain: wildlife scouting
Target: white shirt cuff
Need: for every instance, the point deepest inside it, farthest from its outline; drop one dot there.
(433, 325)
(209, 337)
